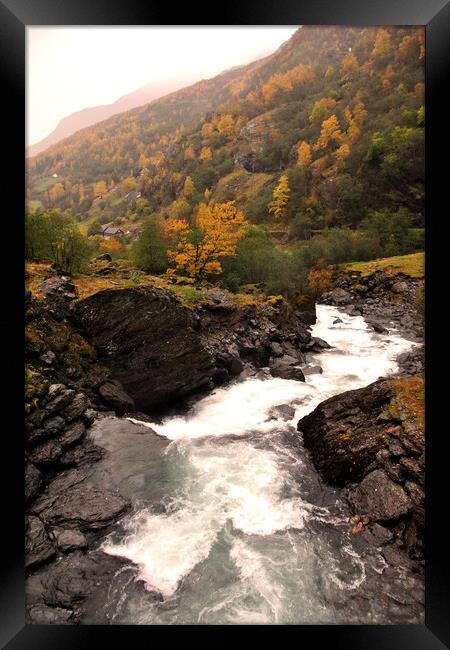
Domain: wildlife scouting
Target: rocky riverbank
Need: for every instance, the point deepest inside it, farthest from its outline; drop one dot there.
(371, 442)
(386, 301)
(120, 351)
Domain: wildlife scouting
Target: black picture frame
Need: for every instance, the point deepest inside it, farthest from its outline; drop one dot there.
(15, 15)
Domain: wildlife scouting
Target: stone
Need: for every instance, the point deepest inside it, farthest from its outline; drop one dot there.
(70, 540)
(46, 453)
(73, 433)
(33, 479)
(88, 508)
(38, 546)
(68, 583)
(377, 327)
(76, 408)
(312, 370)
(281, 412)
(379, 498)
(58, 399)
(339, 296)
(48, 357)
(336, 321)
(53, 426)
(400, 287)
(286, 367)
(105, 257)
(83, 454)
(44, 615)
(113, 394)
(276, 349)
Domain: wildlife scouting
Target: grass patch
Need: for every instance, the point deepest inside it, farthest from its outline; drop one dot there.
(45, 183)
(409, 399)
(412, 265)
(35, 205)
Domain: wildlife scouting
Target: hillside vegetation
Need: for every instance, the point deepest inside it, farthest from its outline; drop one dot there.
(337, 112)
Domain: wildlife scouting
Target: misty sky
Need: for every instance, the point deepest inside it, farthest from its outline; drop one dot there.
(70, 68)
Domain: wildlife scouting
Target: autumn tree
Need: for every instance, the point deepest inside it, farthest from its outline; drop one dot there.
(383, 43)
(320, 278)
(280, 198)
(225, 125)
(330, 132)
(217, 229)
(304, 154)
(321, 109)
(205, 154)
(100, 189)
(349, 63)
(188, 188)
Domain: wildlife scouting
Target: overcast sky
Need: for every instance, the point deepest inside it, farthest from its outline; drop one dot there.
(70, 68)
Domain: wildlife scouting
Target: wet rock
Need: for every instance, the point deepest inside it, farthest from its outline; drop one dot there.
(157, 355)
(33, 479)
(70, 540)
(53, 425)
(73, 433)
(317, 344)
(44, 615)
(339, 296)
(88, 508)
(46, 453)
(113, 394)
(281, 412)
(376, 326)
(38, 546)
(379, 498)
(68, 583)
(58, 397)
(83, 454)
(76, 408)
(336, 321)
(276, 349)
(286, 367)
(312, 370)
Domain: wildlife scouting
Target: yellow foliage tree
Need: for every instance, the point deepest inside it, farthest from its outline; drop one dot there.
(100, 189)
(216, 231)
(342, 153)
(189, 187)
(205, 154)
(280, 198)
(189, 153)
(304, 154)
(383, 43)
(349, 63)
(226, 125)
(56, 192)
(330, 132)
(207, 129)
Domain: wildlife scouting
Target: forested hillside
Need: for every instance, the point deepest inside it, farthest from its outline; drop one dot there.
(336, 113)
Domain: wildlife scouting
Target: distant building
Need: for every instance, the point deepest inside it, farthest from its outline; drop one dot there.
(111, 231)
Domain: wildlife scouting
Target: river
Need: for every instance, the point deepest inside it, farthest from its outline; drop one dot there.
(231, 524)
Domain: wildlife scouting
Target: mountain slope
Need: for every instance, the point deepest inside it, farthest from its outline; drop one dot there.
(89, 116)
(338, 110)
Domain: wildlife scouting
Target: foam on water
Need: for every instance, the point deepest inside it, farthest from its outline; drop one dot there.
(232, 479)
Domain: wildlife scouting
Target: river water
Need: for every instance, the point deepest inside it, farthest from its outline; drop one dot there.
(231, 523)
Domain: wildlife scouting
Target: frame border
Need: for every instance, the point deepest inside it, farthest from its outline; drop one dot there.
(15, 16)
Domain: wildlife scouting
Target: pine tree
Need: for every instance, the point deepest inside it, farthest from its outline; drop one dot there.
(280, 198)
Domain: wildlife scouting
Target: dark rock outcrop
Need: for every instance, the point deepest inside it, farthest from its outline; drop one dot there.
(371, 441)
(286, 367)
(113, 394)
(148, 340)
(39, 547)
(386, 300)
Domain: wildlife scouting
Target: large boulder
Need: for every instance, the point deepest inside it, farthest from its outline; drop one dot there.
(371, 441)
(113, 394)
(380, 498)
(148, 340)
(286, 367)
